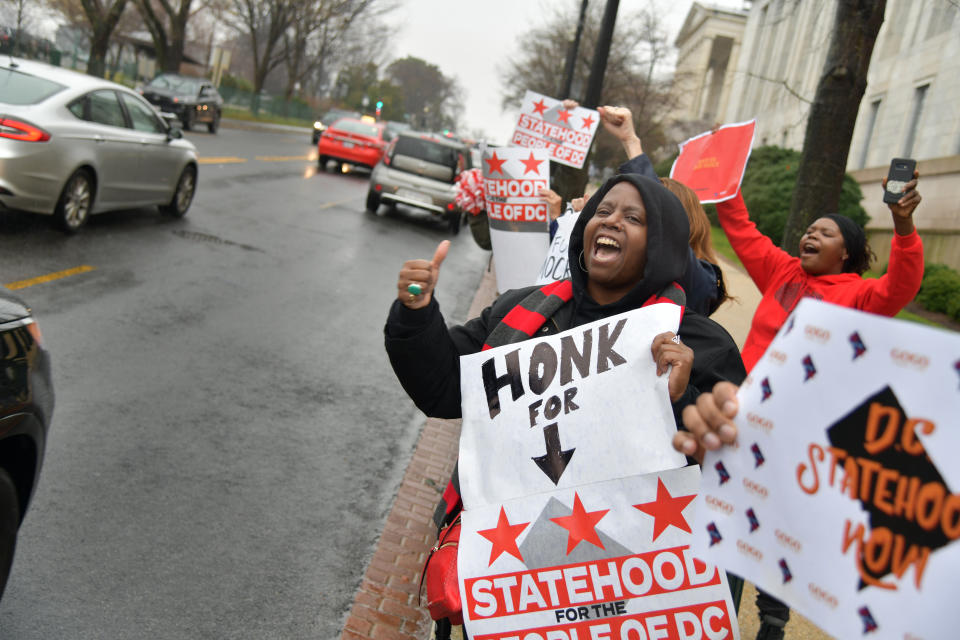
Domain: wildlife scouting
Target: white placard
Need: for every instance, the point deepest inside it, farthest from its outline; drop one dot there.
(602, 561)
(577, 407)
(566, 134)
(518, 217)
(556, 266)
(841, 495)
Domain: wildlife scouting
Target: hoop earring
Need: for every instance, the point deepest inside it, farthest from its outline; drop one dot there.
(580, 260)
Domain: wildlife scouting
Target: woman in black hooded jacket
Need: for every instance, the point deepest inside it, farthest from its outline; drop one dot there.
(425, 353)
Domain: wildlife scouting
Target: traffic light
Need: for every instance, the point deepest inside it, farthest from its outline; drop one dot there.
(379, 107)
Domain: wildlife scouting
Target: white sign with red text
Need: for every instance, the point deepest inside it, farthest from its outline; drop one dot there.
(566, 134)
(518, 217)
(605, 561)
(842, 495)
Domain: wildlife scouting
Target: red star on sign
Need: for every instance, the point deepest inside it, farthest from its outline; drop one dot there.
(495, 164)
(587, 122)
(563, 116)
(539, 107)
(666, 510)
(581, 524)
(531, 164)
(504, 537)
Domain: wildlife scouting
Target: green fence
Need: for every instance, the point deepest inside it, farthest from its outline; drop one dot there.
(265, 103)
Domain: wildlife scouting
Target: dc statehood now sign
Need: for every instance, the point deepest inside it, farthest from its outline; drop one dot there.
(518, 217)
(577, 510)
(842, 497)
(566, 134)
(712, 163)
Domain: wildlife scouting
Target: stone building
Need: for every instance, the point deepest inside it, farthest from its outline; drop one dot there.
(909, 108)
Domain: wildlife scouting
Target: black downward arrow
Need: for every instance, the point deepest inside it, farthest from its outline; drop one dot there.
(555, 462)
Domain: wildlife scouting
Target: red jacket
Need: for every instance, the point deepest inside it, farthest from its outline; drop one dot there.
(783, 282)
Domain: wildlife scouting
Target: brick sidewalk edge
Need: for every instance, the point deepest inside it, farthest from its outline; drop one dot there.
(386, 605)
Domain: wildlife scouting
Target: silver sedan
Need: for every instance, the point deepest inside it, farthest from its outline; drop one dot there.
(72, 145)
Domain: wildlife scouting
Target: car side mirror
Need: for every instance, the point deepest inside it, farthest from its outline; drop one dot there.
(174, 132)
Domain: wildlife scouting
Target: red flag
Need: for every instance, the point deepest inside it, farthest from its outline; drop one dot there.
(712, 163)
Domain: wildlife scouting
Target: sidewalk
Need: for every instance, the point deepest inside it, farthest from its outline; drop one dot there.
(386, 604)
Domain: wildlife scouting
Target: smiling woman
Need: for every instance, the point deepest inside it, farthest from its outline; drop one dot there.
(626, 251)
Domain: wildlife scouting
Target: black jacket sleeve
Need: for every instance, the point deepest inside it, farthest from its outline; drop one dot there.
(715, 358)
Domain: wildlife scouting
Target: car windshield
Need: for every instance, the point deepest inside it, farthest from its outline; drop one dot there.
(357, 127)
(176, 83)
(22, 88)
(427, 150)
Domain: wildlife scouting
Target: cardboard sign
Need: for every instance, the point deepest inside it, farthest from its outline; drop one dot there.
(842, 496)
(566, 134)
(605, 561)
(712, 164)
(518, 217)
(556, 266)
(565, 410)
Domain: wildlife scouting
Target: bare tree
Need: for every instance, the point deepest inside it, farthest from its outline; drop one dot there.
(323, 31)
(833, 114)
(103, 17)
(167, 23)
(263, 23)
(17, 12)
(431, 99)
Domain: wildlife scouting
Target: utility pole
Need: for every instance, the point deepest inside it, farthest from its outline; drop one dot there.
(568, 68)
(569, 182)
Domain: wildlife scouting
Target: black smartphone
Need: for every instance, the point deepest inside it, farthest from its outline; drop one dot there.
(901, 172)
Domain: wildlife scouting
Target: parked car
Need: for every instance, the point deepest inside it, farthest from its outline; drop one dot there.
(353, 141)
(72, 145)
(419, 170)
(192, 99)
(26, 407)
(328, 119)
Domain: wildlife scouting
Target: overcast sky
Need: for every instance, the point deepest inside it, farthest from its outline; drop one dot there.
(473, 42)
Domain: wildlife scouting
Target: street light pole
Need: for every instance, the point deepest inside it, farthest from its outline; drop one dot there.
(568, 68)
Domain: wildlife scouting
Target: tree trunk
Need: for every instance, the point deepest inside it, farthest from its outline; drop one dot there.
(99, 45)
(833, 114)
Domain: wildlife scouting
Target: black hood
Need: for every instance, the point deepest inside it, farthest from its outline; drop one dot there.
(668, 233)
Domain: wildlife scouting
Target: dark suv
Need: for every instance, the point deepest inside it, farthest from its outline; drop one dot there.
(26, 405)
(193, 100)
(419, 170)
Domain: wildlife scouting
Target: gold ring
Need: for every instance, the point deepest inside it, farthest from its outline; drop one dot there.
(412, 297)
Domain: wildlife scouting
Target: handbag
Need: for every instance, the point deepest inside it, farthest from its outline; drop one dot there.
(440, 574)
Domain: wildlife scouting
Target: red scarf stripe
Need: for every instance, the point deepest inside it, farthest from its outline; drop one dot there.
(524, 320)
(562, 288)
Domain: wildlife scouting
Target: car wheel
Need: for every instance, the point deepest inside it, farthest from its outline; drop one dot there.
(187, 119)
(215, 123)
(183, 196)
(373, 201)
(76, 201)
(322, 162)
(9, 523)
(453, 220)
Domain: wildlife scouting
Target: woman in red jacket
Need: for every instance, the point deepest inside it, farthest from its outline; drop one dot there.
(833, 255)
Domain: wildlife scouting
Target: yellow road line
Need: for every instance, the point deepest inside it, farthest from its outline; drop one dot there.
(221, 160)
(328, 205)
(284, 158)
(23, 284)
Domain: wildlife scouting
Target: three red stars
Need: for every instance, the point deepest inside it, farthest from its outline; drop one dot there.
(539, 107)
(587, 122)
(504, 537)
(666, 510)
(563, 116)
(495, 164)
(531, 164)
(581, 524)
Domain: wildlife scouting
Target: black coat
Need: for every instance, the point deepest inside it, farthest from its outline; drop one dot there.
(425, 353)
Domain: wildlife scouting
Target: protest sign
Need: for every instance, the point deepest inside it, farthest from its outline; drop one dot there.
(606, 561)
(712, 164)
(840, 496)
(555, 265)
(565, 410)
(566, 134)
(518, 217)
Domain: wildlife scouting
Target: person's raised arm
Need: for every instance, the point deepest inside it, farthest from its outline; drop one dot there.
(418, 278)
(619, 122)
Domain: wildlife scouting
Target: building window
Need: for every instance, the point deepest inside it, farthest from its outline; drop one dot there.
(871, 123)
(919, 95)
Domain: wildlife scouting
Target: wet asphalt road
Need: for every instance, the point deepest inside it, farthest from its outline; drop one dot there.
(228, 434)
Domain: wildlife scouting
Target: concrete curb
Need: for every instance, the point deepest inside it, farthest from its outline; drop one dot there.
(248, 125)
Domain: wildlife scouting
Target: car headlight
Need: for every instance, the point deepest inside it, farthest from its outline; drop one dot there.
(318, 125)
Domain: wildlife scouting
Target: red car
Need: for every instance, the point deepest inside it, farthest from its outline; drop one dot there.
(352, 141)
